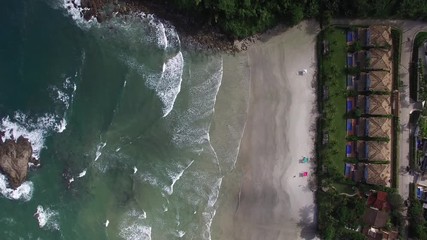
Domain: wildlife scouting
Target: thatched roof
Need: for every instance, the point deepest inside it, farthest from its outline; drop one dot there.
(379, 151)
(378, 104)
(380, 59)
(378, 174)
(380, 35)
(379, 127)
(379, 81)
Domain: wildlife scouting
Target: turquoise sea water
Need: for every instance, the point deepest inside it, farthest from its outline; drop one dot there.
(122, 112)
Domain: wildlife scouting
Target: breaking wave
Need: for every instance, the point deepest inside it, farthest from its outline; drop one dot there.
(133, 228)
(168, 85)
(47, 218)
(75, 10)
(23, 192)
(34, 129)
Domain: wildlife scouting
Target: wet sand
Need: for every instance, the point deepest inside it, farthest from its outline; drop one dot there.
(264, 197)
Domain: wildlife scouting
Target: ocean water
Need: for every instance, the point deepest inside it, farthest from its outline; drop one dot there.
(120, 117)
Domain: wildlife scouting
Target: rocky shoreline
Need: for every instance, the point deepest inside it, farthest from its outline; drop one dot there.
(194, 35)
(15, 159)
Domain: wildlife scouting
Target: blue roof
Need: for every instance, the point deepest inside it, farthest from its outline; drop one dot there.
(349, 125)
(348, 149)
(349, 105)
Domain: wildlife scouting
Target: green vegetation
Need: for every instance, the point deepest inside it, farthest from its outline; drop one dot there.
(417, 223)
(423, 126)
(396, 35)
(335, 221)
(344, 220)
(243, 18)
(418, 87)
(332, 70)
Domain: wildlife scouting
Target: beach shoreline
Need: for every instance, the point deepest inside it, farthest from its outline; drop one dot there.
(265, 197)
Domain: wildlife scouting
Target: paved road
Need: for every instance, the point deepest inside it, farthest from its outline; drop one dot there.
(409, 31)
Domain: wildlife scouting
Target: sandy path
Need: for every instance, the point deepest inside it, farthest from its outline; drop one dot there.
(272, 203)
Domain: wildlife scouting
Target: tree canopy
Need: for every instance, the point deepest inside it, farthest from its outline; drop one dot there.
(241, 18)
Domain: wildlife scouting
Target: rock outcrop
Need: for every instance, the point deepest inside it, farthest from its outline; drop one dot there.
(14, 159)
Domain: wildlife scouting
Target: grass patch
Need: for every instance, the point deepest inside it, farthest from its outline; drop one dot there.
(333, 78)
(343, 188)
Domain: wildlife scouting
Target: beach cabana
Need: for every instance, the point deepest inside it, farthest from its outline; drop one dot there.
(375, 104)
(375, 81)
(380, 59)
(374, 127)
(379, 35)
(378, 174)
(378, 127)
(374, 151)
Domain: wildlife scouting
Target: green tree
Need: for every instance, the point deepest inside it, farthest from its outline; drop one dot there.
(297, 14)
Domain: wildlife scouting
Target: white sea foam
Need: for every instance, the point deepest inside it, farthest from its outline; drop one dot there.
(135, 231)
(47, 218)
(82, 174)
(162, 40)
(180, 233)
(210, 210)
(99, 149)
(137, 214)
(132, 226)
(36, 130)
(202, 103)
(62, 125)
(65, 95)
(75, 10)
(23, 192)
(168, 85)
(176, 177)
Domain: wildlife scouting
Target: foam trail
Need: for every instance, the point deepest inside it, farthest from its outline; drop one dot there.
(210, 212)
(99, 149)
(176, 178)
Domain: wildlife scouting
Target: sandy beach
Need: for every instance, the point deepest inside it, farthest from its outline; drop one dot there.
(265, 197)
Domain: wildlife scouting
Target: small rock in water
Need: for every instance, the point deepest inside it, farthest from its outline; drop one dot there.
(135, 170)
(106, 223)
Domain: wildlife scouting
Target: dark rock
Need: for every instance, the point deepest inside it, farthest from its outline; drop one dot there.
(14, 159)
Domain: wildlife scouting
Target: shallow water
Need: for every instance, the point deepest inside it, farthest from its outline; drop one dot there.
(124, 113)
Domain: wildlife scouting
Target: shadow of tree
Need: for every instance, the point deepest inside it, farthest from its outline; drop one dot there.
(307, 223)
